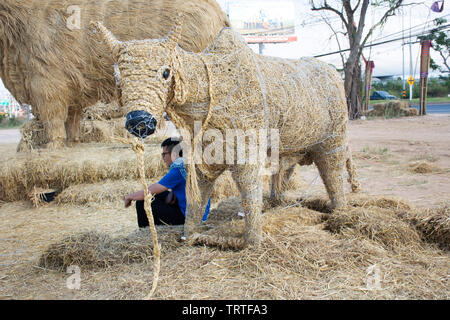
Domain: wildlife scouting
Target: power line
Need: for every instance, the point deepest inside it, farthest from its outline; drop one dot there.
(447, 26)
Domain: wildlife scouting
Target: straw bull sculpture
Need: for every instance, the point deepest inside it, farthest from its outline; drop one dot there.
(49, 60)
(228, 86)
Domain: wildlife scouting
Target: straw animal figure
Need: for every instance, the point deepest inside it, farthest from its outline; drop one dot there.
(228, 86)
(48, 60)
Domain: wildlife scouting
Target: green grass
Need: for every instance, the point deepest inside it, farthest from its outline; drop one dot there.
(374, 153)
(417, 100)
(11, 123)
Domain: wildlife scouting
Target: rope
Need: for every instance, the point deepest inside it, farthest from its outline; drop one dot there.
(138, 147)
(192, 180)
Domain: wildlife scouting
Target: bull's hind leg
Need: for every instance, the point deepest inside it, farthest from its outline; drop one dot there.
(249, 181)
(351, 170)
(331, 168)
(280, 180)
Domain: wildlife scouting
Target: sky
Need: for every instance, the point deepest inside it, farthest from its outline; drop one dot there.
(315, 36)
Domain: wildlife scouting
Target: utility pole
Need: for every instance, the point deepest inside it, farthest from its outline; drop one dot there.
(403, 56)
(370, 65)
(410, 58)
(424, 65)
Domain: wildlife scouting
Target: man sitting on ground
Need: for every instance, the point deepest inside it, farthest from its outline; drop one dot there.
(167, 207)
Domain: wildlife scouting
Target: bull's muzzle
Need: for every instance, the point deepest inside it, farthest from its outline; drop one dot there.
(140, 123)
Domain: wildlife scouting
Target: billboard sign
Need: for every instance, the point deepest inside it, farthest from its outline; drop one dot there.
(263, 21)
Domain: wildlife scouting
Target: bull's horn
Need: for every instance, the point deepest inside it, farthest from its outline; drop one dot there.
(175, 33)
(107, 36)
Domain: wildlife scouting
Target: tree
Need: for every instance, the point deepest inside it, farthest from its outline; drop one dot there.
(441, 43)
(347, 13)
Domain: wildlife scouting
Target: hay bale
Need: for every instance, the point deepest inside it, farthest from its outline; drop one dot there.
(99, 193)
(60, 169)
(393, 109)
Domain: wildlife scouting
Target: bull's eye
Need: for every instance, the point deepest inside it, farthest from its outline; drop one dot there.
(166, 74)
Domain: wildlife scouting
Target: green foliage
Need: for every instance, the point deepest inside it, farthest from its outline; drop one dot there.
(441, 43)
(9, 123)
(437, 87)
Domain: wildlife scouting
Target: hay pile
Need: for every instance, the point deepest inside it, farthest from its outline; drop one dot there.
(432, 224)
(93, 250)
(393, 109)
(378, 224)
(424, 167)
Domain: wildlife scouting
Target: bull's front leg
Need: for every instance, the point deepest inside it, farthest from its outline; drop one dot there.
(249, 181)
(196, 209)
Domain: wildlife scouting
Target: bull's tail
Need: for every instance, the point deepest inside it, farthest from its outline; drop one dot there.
(351, 170)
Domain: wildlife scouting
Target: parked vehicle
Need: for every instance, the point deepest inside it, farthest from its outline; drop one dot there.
(382, 95)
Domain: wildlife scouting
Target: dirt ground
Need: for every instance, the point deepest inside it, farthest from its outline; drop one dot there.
(386, 152)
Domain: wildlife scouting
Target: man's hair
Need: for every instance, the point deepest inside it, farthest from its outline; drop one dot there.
(170, 143)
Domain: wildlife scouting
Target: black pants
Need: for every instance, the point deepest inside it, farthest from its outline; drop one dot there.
(163, 213)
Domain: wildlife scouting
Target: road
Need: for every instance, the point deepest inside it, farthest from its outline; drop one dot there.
(436, 108)
(9, 136)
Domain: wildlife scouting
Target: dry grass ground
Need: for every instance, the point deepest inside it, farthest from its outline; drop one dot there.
(397, 230)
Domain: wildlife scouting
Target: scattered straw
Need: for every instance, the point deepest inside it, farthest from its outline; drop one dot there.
(424, 167)
(299, 258)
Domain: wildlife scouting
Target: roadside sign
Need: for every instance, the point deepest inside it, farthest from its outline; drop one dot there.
(411, 80)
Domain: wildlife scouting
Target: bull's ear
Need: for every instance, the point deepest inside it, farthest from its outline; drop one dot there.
(107, 36)
(180, 87)
(175, 34)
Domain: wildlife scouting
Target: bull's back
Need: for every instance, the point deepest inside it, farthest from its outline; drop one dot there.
(306, 100)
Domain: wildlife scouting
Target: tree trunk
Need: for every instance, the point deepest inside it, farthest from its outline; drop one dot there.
(353, 91)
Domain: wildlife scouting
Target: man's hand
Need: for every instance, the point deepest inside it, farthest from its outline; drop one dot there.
(139, 195)
(127, 201)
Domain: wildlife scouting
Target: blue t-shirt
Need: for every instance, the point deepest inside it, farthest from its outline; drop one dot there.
(175, 179)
